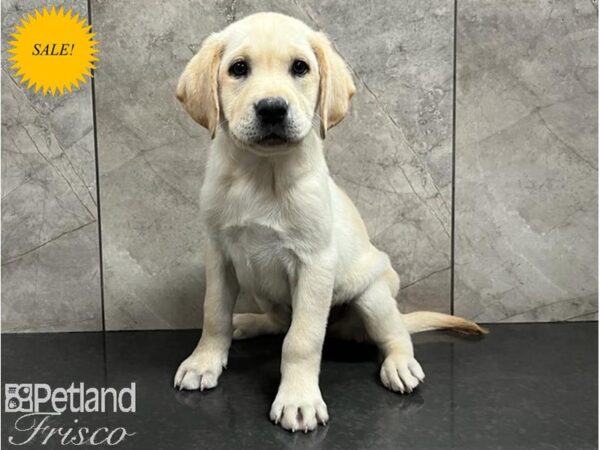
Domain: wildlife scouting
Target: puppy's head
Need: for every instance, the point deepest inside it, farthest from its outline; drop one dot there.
(268, 80)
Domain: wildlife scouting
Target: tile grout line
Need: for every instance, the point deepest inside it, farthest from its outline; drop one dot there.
(453, 220)
(100, 254)
(101, 265)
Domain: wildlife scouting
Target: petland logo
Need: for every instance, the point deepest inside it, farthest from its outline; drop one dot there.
(39, 402)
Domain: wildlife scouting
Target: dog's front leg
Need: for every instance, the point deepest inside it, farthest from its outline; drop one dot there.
(204, 366)
(299, 404)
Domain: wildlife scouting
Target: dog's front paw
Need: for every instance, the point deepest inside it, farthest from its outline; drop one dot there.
(401, 373)
(200, 370)
(299, 409)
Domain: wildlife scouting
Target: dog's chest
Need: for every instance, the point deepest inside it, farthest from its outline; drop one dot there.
(259, 237)
(262, 261)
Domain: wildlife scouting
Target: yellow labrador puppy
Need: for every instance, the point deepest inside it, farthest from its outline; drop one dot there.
(268, 88)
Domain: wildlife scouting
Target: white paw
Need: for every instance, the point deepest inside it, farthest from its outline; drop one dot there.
(200, 370)
(297, 410)
(401, 373)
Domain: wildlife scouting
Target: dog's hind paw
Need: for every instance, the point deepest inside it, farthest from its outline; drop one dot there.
(249, 325)
(401, 373)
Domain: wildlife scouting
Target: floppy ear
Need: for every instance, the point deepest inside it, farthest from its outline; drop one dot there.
(197, 88)
(336, 87)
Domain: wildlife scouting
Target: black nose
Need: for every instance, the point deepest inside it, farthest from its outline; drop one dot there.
(271, 110)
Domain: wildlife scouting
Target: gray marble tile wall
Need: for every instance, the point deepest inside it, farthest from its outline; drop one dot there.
(50, 254)
(526, 161)
(151, 160)
(525, 170)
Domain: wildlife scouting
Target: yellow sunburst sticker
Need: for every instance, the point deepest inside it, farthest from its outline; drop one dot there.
(53, 51)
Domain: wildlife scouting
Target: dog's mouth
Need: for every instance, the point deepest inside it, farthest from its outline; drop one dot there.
(267, 140)
(272, 139)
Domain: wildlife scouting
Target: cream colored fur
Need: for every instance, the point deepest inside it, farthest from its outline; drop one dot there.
(278, 226)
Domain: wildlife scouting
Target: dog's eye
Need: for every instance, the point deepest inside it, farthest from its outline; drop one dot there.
(299, 67)
(239, 69)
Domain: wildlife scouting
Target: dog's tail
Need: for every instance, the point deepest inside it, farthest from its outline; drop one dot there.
(420, 321)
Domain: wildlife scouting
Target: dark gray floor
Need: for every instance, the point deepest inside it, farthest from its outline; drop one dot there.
(522, 386)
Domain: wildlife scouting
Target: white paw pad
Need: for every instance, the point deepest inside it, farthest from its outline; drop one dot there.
(401, 373)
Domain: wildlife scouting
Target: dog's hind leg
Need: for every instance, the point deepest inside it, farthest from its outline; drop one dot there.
(400, 371)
